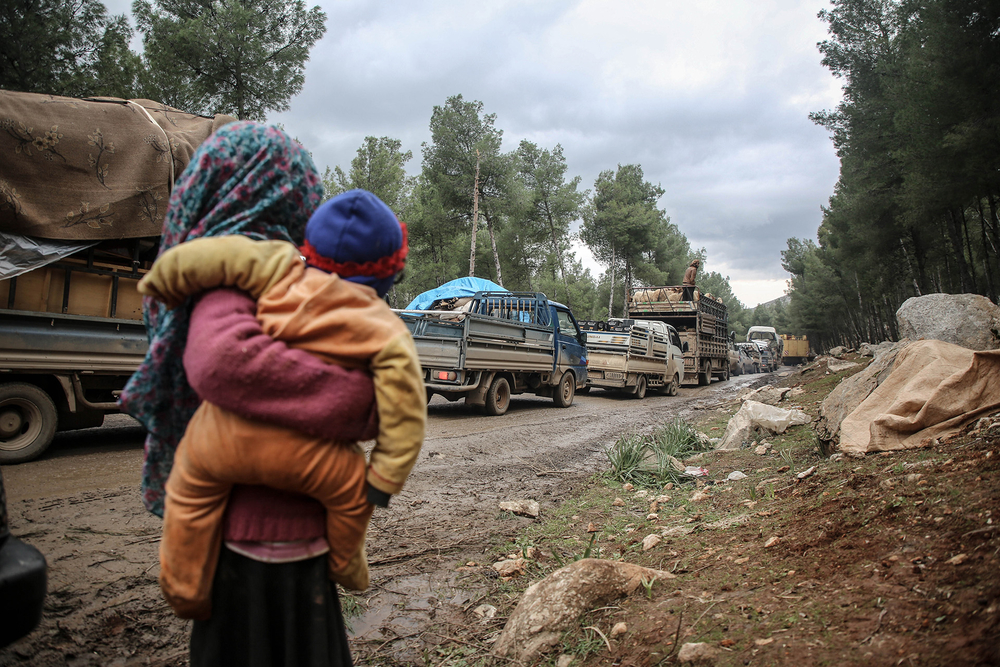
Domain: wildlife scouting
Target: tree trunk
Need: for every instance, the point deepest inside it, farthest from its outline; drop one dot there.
(968, 246)
(493, 243)
(611, 285)
(909, 265)
(475, 219)
(955, 234)
(558, 249)
(627, 289)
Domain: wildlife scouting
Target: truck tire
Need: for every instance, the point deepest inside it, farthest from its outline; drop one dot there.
(563, 394)
(705, 376)
(674, 386)
(498, 396)
(28, 421)
(640, 388)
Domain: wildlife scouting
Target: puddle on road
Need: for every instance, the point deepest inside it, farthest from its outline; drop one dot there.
(402, 607)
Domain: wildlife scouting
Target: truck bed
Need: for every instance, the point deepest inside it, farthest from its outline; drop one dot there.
(446, 340)
(59, 343)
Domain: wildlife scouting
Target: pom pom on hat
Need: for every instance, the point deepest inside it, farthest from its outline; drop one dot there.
(358, 237)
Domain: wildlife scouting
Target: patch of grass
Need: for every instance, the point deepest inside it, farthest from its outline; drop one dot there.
(651, 461)
(582, 643)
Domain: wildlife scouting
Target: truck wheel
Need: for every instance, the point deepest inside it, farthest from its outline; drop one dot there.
(564, 392)
(726, 374)
(640, 388)
(28, 421)
(674, 386)
(705, 376)
(498, 397)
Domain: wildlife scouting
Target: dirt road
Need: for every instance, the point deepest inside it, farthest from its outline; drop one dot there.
(80, 506)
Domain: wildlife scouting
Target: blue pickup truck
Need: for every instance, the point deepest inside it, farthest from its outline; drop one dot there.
(491, 345)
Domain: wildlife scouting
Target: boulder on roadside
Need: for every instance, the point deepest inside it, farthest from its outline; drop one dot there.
(849, 394)
(752, 415)
(836, 351)
(836, 365)
(767, 394)
(969, 320)
(869, 350)
(551, 605)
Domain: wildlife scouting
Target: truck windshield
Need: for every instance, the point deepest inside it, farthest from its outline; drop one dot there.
(566, 324)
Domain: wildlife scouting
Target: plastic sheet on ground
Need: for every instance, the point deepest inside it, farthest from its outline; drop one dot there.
(754, 414)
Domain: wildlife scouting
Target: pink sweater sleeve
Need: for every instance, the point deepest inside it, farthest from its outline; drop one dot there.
(232, 363)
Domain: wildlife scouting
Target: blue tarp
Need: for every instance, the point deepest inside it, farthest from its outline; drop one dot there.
(456, 288)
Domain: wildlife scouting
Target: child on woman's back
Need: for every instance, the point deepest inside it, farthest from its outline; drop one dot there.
(331, 305)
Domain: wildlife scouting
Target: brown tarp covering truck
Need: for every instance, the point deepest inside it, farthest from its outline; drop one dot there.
(91, 169)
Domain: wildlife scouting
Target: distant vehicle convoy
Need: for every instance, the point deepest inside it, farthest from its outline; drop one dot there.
(767, 339)
(72, 335)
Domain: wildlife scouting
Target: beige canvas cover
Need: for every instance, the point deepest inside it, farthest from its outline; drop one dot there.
(91, 169)
(934, 389)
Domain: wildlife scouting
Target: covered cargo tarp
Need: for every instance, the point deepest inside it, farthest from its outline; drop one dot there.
(455, 289)
(934, 389)
(91, 169)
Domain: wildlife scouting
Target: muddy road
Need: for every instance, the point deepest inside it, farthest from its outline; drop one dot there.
(80, 506)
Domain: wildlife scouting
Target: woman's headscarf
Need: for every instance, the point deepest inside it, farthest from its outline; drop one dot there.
(245, 179)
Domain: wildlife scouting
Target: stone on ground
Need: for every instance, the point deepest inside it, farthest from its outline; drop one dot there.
(551, 605)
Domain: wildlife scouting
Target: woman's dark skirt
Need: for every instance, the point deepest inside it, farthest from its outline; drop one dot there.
(271, 615)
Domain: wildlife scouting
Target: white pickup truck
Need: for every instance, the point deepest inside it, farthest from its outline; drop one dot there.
(633, 356)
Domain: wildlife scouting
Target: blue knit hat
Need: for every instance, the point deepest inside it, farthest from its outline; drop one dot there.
(358, 237)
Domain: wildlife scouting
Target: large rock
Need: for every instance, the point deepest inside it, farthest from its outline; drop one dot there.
(968, 320)
(551, 605)
(849, 394)
(752, 415)
(767, 394)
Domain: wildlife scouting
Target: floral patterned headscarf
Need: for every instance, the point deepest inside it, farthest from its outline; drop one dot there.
(245, 179)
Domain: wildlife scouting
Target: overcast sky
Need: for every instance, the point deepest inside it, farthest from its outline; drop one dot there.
(710, 97)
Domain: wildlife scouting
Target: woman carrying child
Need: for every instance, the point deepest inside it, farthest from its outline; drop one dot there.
(276, 605)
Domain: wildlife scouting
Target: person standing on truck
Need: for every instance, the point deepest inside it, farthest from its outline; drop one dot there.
(268, 609)
(332, 306)
(688, 284)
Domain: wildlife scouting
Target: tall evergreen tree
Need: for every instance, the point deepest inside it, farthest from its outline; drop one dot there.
(66, 47)
(242, 57)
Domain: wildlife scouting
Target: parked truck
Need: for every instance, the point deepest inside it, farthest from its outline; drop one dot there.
(81, 211)
(633, 356)
(500, 344)
(796, 349)
(70, 336)
(768, 336)
(702, 324)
